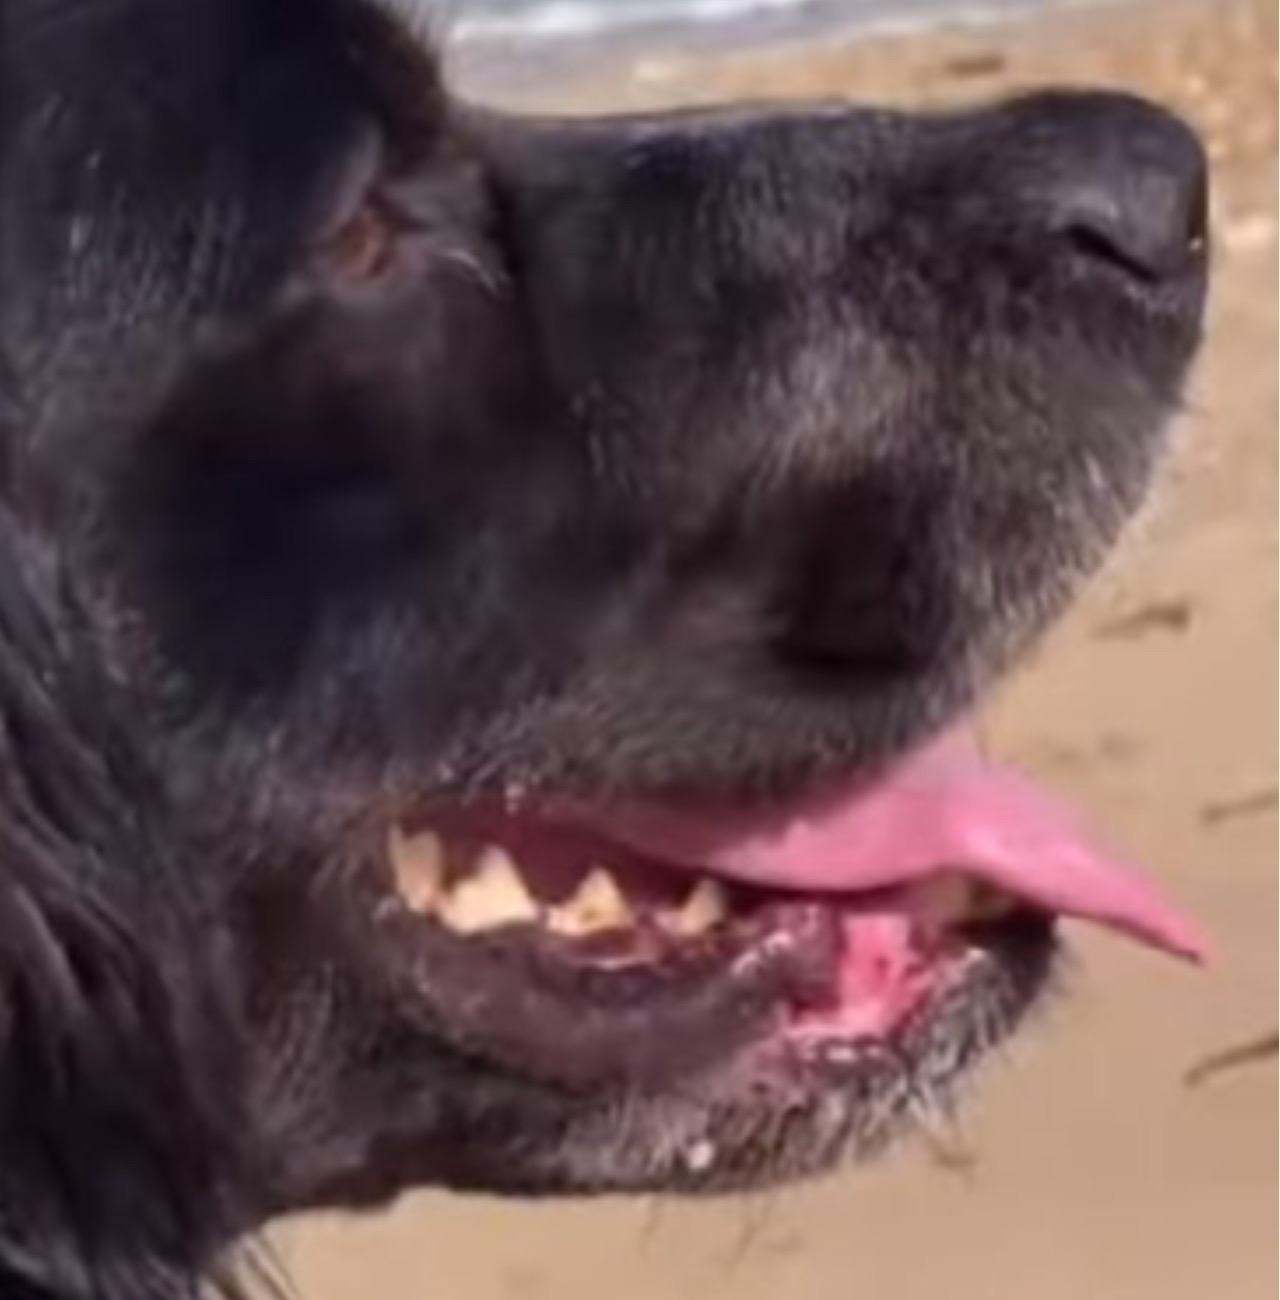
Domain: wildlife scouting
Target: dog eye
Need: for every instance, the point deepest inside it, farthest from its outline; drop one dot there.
(361, 247)
(355, 232)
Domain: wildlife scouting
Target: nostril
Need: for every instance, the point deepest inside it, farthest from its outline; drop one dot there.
(1125, 184)
(1098, 245)
(1151, 227)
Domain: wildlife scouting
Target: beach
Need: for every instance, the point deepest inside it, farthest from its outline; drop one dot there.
(1094, 1171)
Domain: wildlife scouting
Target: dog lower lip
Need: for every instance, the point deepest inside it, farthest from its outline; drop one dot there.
(512, 995)
(516, 944)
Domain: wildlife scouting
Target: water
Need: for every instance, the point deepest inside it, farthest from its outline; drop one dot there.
(503, 45)
(483, 23)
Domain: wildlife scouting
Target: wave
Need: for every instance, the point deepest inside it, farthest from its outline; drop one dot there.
(574, 18)
(490, 23)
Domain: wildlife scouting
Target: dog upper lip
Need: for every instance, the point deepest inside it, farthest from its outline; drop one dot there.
(941, 806)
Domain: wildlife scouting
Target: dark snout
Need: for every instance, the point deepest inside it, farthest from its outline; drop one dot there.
(872, 390)
(1122, 181)
(735, 202)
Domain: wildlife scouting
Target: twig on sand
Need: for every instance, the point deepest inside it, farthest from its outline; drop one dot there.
(1231, 1058)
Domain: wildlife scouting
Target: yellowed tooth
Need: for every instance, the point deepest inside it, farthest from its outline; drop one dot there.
(942, 899)
(597, 904)
(491, 895)
(706, 907)
(990, 902)
(417, 863)
(951, 898)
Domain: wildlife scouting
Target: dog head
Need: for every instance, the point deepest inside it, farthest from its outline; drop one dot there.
(487, 604)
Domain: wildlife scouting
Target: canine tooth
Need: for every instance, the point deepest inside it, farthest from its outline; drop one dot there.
(597, 904)
(417, 862)
(951, 897)
(990, 902)
(706, 907)
(493, 894)
(943, 899)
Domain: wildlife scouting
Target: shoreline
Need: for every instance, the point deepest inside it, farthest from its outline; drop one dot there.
(516, 68)
(572, 38)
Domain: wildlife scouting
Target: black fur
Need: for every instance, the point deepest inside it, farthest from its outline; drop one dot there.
(694, 454)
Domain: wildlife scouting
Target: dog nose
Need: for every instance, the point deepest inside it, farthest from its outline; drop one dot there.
(1127, 185)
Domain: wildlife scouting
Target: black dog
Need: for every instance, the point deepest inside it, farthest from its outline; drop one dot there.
(430, 539)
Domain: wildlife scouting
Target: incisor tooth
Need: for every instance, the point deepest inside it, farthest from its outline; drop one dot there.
(493, 894)
(706, 906)
(417, 863)
(597, 904)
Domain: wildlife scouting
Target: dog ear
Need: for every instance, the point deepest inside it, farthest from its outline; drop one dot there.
(110, 1177)
(113, 1146)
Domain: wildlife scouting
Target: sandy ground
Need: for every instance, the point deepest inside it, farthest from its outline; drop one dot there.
(1099, 1175)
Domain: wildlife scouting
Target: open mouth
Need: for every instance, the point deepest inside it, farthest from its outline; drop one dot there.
(909, 917)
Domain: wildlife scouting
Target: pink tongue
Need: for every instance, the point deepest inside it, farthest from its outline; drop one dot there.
(943, 806)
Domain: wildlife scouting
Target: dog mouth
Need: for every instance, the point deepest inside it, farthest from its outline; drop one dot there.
(909, 918)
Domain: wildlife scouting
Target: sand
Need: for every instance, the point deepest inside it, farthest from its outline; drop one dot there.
(1100, 1175)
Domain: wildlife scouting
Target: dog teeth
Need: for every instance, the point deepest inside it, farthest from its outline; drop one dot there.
(417, 862)
(493, 894)
(706, 907)
(597, 904)
(952, 898)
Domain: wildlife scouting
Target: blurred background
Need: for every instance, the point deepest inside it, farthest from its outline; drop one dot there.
(1097, 1173)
